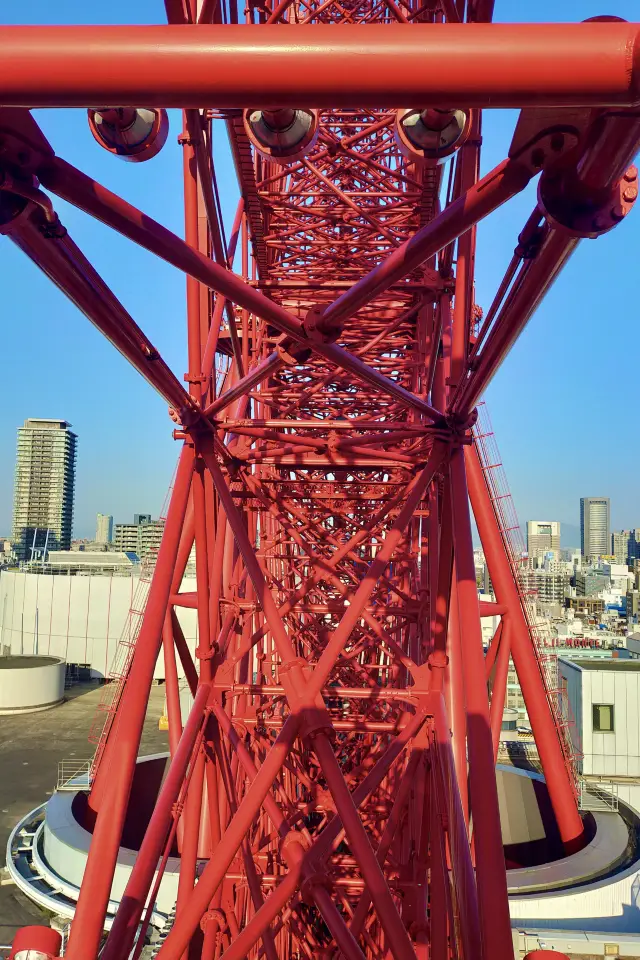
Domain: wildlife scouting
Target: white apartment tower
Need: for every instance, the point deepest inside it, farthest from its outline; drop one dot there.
(44, 487)
(543, 536)
(595, 526)
(104, 528)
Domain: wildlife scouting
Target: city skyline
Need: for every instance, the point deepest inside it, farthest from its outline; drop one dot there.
(84, 521)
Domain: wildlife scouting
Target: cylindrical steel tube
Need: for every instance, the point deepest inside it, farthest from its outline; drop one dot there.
(481, 65)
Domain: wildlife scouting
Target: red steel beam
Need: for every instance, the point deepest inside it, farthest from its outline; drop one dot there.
(65, 264)
(125, 924)
(613, 143)
(498, 186)
(481, 65)
(115, 773)
(101, 203)
(495, 926)
(524, 657)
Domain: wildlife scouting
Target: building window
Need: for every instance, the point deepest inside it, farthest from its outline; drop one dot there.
(603, 718)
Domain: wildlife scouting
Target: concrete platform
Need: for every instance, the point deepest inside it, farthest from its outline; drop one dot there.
(31, 746)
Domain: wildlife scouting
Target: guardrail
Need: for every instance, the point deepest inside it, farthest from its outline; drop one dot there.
(73, 774)
(599, 796)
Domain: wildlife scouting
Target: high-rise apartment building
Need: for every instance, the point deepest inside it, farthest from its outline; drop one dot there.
(104, 528)
(543, 536)
(44, 487)
(622, 545)
(595, 526)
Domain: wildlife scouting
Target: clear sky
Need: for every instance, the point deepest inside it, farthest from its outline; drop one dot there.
(562, 404)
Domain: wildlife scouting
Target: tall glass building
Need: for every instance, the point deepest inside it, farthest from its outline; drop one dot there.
(595, 526)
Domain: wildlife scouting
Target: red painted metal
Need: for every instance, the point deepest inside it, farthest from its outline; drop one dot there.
(342, 742)
(44, 940)
(497, 65)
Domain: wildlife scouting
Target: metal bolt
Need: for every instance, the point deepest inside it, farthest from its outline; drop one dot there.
(630, 194)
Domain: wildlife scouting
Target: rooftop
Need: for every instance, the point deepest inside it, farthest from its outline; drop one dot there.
(23, 662)
(51, 421)
(632, 666)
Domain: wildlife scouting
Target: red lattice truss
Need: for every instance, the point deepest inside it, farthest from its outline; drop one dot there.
(345, 720)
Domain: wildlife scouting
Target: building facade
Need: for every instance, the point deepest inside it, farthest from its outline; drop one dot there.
(595, 526)
(104, 528)
(142, 537)
(44, 487)
(549, 586)
(543, 536)
(590, 582)
(604, 696)
(80, 618)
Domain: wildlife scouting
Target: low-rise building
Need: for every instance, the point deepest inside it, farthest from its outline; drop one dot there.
(141, 537)
(72, 562)
(604, 701)
(592, 607)
(590, 582)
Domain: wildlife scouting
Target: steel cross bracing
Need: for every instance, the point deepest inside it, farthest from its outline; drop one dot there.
(341, 747)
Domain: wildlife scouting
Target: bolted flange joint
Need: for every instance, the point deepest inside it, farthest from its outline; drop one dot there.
(585, 214)
(319, 328)
(292, 848)
(212, 916)
(292, 354)
(316, 721)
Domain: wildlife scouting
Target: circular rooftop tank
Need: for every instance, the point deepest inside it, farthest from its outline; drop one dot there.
(30, 683)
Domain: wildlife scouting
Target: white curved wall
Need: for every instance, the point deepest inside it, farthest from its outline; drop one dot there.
(31, 687)
(80, 619)
(66, 848)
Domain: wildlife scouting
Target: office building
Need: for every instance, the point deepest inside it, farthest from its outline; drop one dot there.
(548, 586)
(591, 582)
(620, 545)
(595, 526)
(104, 528)
(44, 487)
(141, 537)
(632, 606)
(543, 536)
(634, 545)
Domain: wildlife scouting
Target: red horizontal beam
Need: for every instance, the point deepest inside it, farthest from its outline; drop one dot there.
(473, 64)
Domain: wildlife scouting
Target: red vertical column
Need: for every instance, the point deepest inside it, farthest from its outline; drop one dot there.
(524, 657)
(499, 687)
(458, 717)
(116, 770)
(495, 925)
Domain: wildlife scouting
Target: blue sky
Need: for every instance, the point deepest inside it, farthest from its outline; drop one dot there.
(562, 404)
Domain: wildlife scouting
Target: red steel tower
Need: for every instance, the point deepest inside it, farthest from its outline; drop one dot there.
(333, 790)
